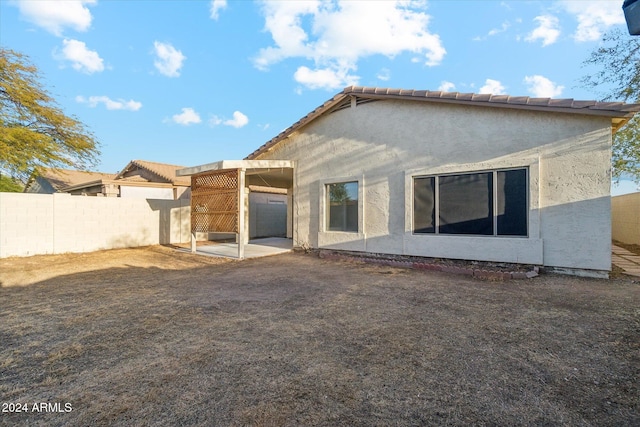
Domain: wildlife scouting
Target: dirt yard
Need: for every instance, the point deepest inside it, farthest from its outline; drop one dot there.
(152, 336)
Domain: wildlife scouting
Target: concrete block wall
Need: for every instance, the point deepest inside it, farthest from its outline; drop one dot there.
(625, 218)
(26, 219)
(267, 220)
(32, 224)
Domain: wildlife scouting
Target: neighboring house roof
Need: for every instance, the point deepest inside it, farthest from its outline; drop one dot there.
(61, 179)
(155, 174)
(162, 170)
(619, 112)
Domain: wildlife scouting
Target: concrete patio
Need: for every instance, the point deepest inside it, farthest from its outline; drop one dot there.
(254, 249)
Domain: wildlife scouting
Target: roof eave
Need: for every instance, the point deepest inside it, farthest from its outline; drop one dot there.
(476, 100)
(496, 104)
(82, 185)
(321, 110)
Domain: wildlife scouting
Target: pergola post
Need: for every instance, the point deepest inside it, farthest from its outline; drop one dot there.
(241, 211)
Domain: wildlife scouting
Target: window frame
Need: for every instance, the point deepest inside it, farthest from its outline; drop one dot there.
(327, 207)
(494, 172)
(324, 233)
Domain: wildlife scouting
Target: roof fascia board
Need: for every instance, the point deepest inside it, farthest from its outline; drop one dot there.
(236, 164)
(496, 104)
(124, 170)
(325, 108)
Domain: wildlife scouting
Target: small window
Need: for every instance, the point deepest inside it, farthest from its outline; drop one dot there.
(342, 206)
(492, 203)
(424, 205)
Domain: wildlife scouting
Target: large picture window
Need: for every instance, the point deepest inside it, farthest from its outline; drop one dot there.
(492, 203)
(342, 206)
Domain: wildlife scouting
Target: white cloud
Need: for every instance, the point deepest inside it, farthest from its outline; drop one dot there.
(216, 7)
(547, 30)
(215, 121)
(81, 58)
(326, 78)
(187, 117)
(446, 86)
(384, 74)
(239, 120)
(505, 26)
(169, 60)
(494, 31)
(335, 35)
(594, 17)
(109, 103)
(493, 87)
(283, 21)
(54, 16)
(542, 87)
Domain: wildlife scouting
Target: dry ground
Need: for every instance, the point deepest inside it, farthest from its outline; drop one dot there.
(155, 337)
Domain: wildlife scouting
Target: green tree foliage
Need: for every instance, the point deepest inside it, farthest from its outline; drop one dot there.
(338, 193)
(618, 78)
(34, 132)
(9, 185)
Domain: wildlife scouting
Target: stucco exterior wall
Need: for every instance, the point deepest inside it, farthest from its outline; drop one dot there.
(384, 144)
(127, 191)
(625, 218)
(32, 224)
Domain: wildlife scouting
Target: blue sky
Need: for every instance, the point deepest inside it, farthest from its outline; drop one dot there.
(192, 82)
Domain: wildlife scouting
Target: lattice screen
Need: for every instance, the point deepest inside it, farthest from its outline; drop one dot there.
(214, 202)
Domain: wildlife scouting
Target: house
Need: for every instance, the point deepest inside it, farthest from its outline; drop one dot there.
(55, 180)
(435, 174)
(152, 180)
(139, 178)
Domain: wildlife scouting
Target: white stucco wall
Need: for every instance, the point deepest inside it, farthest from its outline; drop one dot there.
(127, 191)
(625, 218)
(384, 144)
(32, 224)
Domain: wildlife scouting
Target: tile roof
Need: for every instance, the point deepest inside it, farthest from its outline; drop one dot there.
(607, 108)
(62, 178)
(615, 110)
(163, 170)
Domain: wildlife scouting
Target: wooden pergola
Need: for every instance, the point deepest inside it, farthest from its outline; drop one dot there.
(217, 196)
